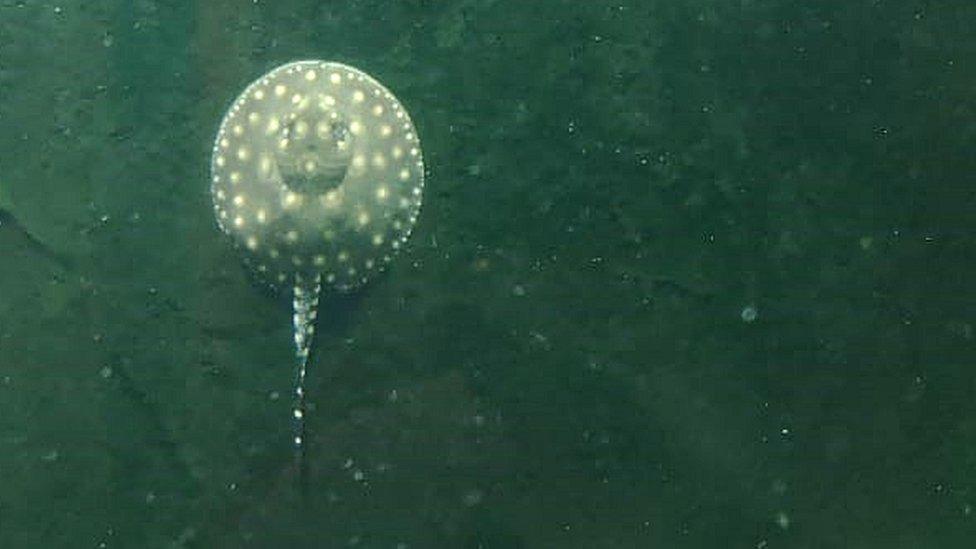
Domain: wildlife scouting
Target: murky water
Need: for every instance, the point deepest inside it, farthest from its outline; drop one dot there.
(686, 275)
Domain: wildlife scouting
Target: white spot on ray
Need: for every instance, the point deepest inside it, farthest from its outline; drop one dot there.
(291, 200)
(273, 126)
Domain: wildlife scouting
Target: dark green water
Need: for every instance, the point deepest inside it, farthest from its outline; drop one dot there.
(687, 274)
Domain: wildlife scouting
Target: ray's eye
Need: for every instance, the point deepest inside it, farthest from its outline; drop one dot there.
(340, 132)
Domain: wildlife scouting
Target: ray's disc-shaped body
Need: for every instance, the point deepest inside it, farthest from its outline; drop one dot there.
(317, 177)
(317, 170)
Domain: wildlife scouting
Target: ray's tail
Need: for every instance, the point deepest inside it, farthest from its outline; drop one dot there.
(305, 302)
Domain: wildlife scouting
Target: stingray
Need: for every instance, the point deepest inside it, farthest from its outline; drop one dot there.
(317, 178)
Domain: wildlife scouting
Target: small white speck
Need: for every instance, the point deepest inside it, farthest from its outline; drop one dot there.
(472, 498)
(749, 313)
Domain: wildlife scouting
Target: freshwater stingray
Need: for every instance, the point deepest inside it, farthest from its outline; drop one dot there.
(317, 177)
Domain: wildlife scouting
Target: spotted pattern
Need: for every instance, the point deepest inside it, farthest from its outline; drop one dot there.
(317, 171)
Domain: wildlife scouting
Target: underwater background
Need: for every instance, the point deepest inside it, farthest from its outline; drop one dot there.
(689, 273)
